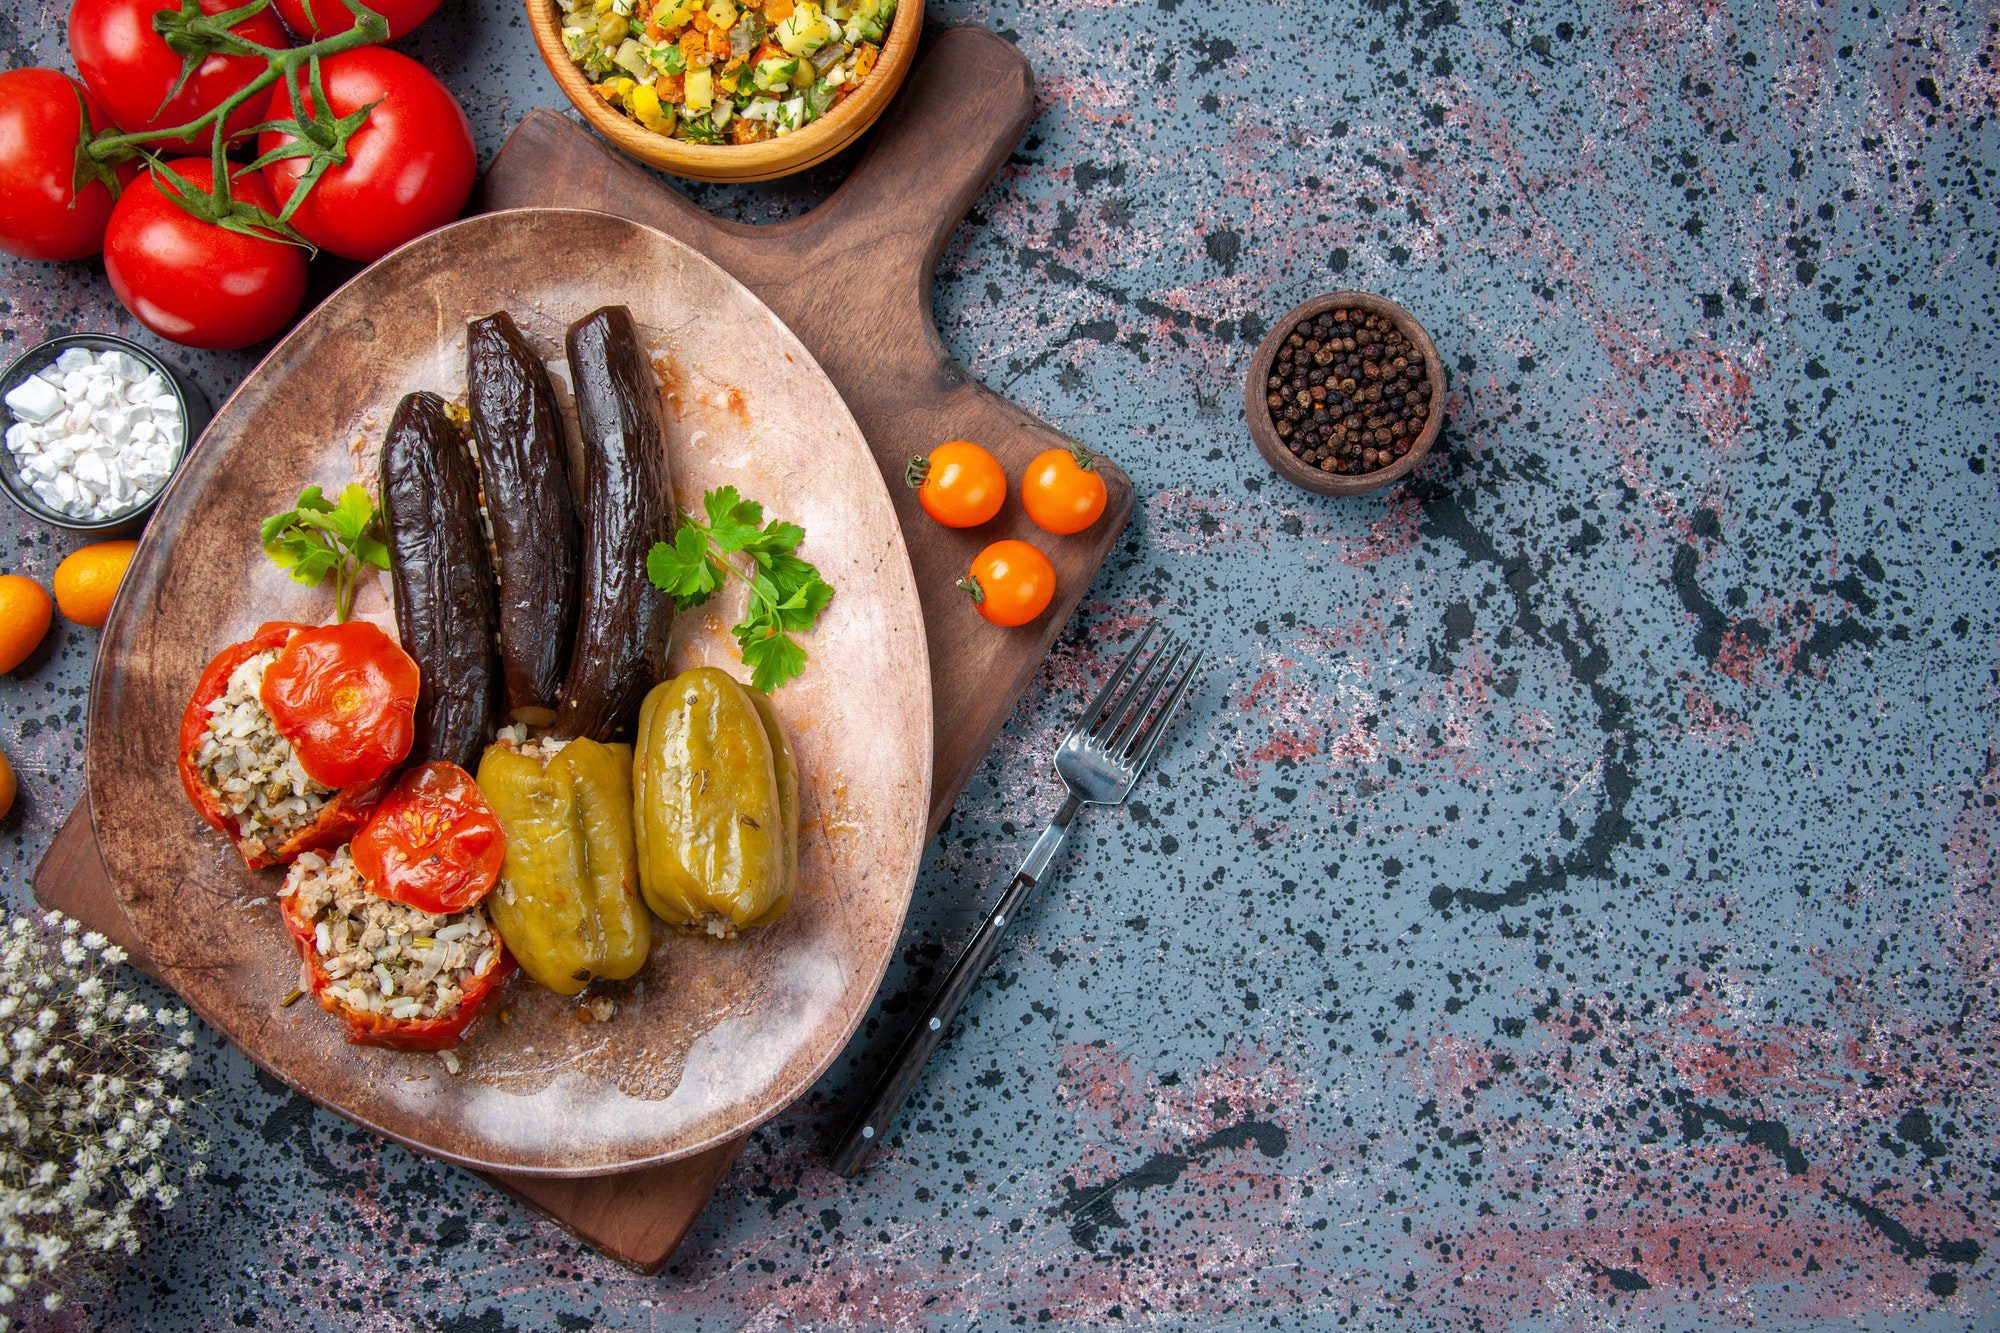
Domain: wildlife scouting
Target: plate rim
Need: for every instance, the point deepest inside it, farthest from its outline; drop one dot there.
(167, 504)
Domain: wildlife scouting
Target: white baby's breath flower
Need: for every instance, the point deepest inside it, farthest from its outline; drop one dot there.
(88, 1072)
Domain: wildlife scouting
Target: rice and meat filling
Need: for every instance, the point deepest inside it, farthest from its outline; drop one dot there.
(387, 957)
(256, 778)
(515, 739)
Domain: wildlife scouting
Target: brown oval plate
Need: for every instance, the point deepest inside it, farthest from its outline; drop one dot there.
(713, 1036)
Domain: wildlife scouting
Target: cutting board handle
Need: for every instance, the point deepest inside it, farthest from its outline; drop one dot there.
(957, 118)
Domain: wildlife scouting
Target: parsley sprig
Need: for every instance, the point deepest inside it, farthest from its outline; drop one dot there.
(786, 593)
(318, 536)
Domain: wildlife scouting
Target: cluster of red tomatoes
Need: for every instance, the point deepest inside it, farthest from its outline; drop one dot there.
(408, 167)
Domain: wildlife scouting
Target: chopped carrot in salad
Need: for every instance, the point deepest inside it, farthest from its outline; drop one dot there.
(719, 71)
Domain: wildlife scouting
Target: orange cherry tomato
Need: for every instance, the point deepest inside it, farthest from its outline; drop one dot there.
(433, 843)
(959, 484)
(1063, 491)
(1010, 582)
(345, 696)
(25, 615)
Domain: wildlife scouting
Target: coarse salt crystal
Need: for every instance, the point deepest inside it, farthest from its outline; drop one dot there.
(123, 367)
(34, 400)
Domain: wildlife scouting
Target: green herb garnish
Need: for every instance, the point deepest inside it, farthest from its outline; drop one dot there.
(317, 537)
(786, 593)
(700, 131)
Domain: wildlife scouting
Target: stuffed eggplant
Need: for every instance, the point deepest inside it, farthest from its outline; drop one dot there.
(442, 581)
(625, 501)
(524, 469)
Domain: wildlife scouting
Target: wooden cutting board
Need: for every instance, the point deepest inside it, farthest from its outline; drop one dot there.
(853, 280)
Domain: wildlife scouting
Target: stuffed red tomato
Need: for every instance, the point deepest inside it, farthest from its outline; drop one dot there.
(411, 977)
(395, 975)
(260, 774)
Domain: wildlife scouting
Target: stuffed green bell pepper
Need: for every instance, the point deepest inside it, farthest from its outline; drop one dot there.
(567, 903)
(715, 805)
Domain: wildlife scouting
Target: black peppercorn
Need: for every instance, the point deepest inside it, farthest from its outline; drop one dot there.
(1348, 392)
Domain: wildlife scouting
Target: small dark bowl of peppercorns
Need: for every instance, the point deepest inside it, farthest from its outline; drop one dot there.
(1345, 394)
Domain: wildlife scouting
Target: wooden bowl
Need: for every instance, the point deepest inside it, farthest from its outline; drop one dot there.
(1258, 413)
(735, 162)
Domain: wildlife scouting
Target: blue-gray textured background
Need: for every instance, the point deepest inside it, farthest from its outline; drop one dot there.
(1571, 899)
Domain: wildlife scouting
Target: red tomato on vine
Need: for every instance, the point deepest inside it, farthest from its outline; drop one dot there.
(191, 280)
(42, 213)
(331, 16)
(409, 166)
(131, 69)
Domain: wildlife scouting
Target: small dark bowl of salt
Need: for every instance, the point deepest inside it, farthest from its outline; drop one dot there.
(124, 481)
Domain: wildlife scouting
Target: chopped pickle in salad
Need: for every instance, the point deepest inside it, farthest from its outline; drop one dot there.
(716, 71)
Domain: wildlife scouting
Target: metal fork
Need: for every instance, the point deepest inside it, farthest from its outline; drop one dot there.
(1099, 762)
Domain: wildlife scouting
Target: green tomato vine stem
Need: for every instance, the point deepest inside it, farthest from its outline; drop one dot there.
(323, 138)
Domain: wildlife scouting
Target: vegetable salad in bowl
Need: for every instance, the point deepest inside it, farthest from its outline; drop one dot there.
(723, 72)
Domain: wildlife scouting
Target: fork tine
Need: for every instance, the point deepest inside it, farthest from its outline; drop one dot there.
(1141, 705)
(1146, 741)
(1120, 721)
(1096, 709)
